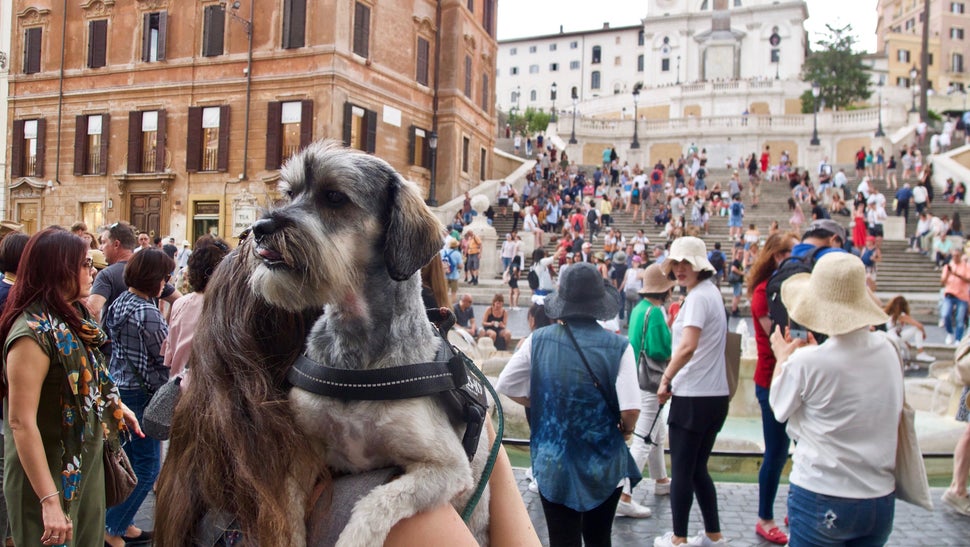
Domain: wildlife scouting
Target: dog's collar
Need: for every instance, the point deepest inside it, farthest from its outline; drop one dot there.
(445, 373)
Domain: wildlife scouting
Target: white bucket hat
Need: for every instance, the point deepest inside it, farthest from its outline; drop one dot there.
(690, 249)
(833, 298)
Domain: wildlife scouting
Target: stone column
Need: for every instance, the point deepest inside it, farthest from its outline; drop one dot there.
(490, 257)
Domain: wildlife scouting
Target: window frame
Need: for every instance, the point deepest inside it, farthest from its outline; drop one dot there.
(82, 145)
(595, 80)
(596, 55)
(213, 30)
(33, 49)
(97, 43)
(425, 152)
(160, 42)
(423, 60)
(274, 130)
(370, 127)
(17, 148)
(136, 140)
(361, 30)
(294, 24)
(195, 144)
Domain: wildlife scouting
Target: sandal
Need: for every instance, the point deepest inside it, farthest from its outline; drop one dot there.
(774, 535)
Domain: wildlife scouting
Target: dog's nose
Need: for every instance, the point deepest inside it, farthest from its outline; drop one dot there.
(264, 227)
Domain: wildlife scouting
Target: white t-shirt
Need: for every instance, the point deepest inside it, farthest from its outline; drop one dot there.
(503, 191)
(705, 375)
(842, 400)
(919, 194)
(515, 379)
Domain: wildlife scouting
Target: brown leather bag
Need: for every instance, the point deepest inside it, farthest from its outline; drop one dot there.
(119, 477)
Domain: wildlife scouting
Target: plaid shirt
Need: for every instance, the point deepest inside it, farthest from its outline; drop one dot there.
(137, 330)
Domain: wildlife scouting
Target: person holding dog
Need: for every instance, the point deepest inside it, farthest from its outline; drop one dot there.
(580, 384)
(54, 472)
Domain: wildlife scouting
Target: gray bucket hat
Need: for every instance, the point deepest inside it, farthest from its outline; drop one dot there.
(583, 293)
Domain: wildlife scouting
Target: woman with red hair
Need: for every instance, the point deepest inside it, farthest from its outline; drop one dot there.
(61, 404)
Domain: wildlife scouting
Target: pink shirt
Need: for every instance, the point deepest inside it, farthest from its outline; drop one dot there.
(954, 285)
(181, 329)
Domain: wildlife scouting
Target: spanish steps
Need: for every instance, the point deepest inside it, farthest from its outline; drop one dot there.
(900, 272)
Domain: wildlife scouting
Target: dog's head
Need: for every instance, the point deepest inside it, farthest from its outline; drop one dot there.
(346, 213)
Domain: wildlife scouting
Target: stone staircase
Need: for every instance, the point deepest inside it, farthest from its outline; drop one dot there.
(900, 272)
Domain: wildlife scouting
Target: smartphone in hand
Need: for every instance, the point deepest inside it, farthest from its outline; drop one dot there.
(797, 331)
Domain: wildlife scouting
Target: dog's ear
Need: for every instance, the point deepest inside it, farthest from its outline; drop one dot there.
(414, 235)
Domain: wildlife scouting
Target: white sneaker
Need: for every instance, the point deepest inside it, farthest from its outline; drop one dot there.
(661, 488)
(949, 340)
(666, 540)
(925, 357)
(940, 323)
(632, 509)
(701, 540)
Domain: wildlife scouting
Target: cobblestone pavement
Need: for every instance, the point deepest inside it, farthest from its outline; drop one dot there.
(737, 505)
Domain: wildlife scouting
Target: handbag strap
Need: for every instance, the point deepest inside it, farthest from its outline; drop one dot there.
(643, 332)
(612, 405)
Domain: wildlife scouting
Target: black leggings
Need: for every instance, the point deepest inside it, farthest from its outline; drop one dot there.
(694, 424)
(569, 528)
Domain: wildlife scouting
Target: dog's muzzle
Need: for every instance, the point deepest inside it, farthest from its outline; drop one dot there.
(263, 231)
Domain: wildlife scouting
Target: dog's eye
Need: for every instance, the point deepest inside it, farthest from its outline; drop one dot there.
(334, 197)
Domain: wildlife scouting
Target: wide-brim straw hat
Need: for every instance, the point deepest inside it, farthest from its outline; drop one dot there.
(583, 293)
(833, 298)
(654, 280)
(97, 259)
(690, 249)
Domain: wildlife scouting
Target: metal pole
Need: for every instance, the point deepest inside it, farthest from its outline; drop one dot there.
(879, 131)
(815, 92)
(636, 141)
(572, 138)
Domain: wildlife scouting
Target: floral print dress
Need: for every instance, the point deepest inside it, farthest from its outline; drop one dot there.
(79, 405)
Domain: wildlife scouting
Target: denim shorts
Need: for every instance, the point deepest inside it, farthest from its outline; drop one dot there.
(817, 520)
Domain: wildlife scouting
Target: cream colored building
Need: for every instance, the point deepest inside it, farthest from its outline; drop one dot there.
(899, 31)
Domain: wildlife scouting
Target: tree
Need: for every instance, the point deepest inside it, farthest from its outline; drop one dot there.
(531, 121)
(842, 76)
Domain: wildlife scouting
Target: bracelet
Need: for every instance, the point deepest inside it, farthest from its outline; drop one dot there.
(51, 495)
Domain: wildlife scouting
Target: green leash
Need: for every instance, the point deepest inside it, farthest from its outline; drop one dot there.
(493, 453)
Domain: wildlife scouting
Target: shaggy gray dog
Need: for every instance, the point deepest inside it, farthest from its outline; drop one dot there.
(351, 239)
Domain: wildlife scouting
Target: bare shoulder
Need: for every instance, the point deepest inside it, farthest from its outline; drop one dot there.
(442, 523)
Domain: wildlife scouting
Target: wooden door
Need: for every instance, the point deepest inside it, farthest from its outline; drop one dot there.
(27, 214)
(146, 213)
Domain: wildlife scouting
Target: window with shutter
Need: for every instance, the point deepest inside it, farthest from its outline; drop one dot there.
(360, 128)
(95, 138)
(97, 43)
(465, 142)
(468, 76)
(211, 123)
(153, 36)
(419, 151)
(273, 130)
(488, 17)
(32, 49)
(40, 147)
(294, 23)
(223, 159)
(485, 92)
(292, 119)
(423, 55)
(362, 29)
(483, 155)
(213, 30)
(193, 140)
(17, 149)
(134, 142)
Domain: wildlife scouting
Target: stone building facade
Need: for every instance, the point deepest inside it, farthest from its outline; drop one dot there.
(177, 114)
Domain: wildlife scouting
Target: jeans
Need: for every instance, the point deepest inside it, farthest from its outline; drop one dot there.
(145, 459)
(818, 520)
(954, 325)
(777, 444)
(569, 528)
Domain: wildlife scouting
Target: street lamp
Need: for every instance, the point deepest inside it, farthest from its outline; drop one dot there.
(879, 131)
(572, 138)
(636, 96)
(678, 69)
(816, 91)
(433, 145)
(913, 73)
(554, 88)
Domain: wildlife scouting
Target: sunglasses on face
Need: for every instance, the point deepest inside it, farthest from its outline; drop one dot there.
(88, 263)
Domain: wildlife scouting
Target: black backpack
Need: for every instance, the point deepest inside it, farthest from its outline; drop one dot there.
(717, 260)
(789, 267)
(533, 278)
(591, 217)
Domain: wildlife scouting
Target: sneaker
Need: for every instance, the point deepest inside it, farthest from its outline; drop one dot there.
(925, 357)
(666, 540)
(661, 488)
(960, 504)
(632, 509)
(949, 340)
(940, 323)
(701, 540)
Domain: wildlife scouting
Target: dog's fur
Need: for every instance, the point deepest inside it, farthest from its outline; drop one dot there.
(351, 239)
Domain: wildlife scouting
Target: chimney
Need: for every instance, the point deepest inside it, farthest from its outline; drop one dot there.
(606, 25)
(560, 29)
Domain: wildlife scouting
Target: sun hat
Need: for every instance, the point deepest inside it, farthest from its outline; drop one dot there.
(97, 259)
(619, 257)
(600, 255)
(691, 249)
(828, 225)
(833, 298)
(637, 259)
(583, 293)
(654, 280)
(185, 243)
(453, 243)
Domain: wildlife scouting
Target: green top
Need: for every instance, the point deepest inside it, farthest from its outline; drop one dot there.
(658, 345)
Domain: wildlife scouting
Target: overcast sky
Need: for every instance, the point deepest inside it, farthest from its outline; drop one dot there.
(519, 19)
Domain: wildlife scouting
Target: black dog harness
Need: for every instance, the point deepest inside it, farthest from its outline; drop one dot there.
(447, 376)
